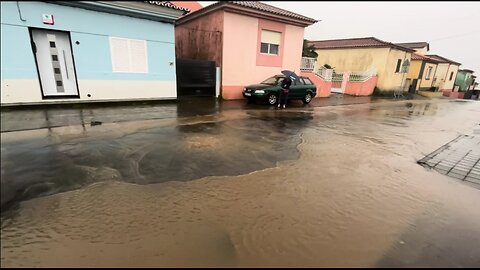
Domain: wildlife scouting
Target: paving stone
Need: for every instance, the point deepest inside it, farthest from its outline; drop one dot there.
(458, 159)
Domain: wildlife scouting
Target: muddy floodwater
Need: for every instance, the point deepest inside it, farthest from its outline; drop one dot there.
(308, 186)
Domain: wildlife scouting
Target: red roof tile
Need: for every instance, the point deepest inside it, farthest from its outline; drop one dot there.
(268, 8)
(367, 42)
(423, 58)
(441, 59)
(191, 5)
(255, 7)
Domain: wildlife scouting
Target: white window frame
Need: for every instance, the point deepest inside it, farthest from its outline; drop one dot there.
(269, 49)
(269, 44)
(129, 53)
(429, 73)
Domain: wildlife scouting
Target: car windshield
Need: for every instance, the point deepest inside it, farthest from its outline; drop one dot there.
(271, 81)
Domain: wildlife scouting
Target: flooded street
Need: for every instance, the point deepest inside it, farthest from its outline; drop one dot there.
(308, 186)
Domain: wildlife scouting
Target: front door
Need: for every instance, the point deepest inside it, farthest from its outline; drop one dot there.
(55, 64)
(413, 86)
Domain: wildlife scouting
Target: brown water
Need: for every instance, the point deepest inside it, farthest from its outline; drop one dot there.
(354, 197)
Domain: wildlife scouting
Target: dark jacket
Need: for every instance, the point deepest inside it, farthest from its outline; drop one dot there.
(286, 83)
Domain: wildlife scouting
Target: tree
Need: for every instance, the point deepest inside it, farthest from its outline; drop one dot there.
(308, 50)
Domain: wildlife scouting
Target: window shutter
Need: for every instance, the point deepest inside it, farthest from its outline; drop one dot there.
(271, 37)
(119, 54)
(129, 55)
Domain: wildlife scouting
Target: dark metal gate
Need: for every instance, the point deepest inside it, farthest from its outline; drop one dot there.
(195, 77)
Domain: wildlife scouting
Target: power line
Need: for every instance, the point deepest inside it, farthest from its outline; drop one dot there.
(455, 36)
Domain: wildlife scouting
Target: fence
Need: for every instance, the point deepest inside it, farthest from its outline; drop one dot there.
(362, 76)
(325, 73)
(308, 63)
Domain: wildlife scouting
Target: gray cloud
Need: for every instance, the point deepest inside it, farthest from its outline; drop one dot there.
(451, 28)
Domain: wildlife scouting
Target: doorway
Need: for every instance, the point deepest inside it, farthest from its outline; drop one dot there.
(55, 64)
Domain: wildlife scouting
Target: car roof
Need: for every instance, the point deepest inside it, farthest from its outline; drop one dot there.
(283, 76)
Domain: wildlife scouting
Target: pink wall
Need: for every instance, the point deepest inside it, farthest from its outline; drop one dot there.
(323, 87)
(201, 38)
(240, 64)
(269, 60)
(451, 94)
(361, 88)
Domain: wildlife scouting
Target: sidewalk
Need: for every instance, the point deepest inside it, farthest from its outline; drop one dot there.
(49, 116)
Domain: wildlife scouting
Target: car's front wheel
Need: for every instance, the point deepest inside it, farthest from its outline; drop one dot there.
(272, 99)
(307, 98)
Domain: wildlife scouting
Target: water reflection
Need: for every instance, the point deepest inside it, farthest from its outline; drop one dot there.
(61, 162)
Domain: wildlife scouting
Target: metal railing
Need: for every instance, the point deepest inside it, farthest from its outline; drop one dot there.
(325, 73)
(308, 63)
(362, 76)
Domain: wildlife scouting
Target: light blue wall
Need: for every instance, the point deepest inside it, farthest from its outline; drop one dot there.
(91, 29)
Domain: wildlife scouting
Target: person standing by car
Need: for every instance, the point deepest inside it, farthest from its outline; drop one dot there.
(284, 92)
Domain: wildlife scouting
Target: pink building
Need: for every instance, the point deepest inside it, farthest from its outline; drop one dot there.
(250, 41)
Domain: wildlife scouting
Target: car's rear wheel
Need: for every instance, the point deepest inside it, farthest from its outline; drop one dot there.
(307, 98)
(272, 99)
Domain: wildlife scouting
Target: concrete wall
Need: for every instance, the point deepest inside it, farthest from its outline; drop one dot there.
(361, 59)
(443, 81)
(449, 84)
(427, 83)
(353, 59)
(463, 80)
(201, 39)
(390, 80)
(19, 79)
(323, 87)
(361, 88)
(242, 62)
(414, 70)
(422, 51)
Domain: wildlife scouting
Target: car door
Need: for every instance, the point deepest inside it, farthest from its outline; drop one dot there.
(296, 89)
(309, 86)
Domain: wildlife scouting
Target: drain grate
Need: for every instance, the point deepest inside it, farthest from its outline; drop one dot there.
(459, 159)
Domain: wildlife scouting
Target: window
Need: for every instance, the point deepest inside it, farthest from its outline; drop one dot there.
(54, 57)
(270, 42)
(399, 64)
(429, 73)
(307, 81)
(52, 44)
(270, 81)
(56, 70)
(298, 82)
(405, 66)
(451, 76)
(128, 55)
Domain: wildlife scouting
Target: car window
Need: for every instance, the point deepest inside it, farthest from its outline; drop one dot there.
(298, 82)
(307, 81)
(270, 81)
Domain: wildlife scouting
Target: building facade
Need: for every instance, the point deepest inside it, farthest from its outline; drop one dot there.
(421, 73)
(390, 61)
(248, 40)
(85, 51)
(446, 73)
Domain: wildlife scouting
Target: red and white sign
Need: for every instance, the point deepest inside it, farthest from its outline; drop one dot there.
(47, 19)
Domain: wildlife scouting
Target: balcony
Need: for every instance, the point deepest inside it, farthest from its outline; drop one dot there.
(308, 64)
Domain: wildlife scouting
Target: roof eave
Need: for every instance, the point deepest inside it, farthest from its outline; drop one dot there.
(364, 47)
(228, 7)
(162, 14)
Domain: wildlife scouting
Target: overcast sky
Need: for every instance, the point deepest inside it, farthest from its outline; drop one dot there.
(451, 28)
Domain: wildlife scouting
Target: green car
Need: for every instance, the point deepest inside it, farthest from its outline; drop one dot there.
(269, 90)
